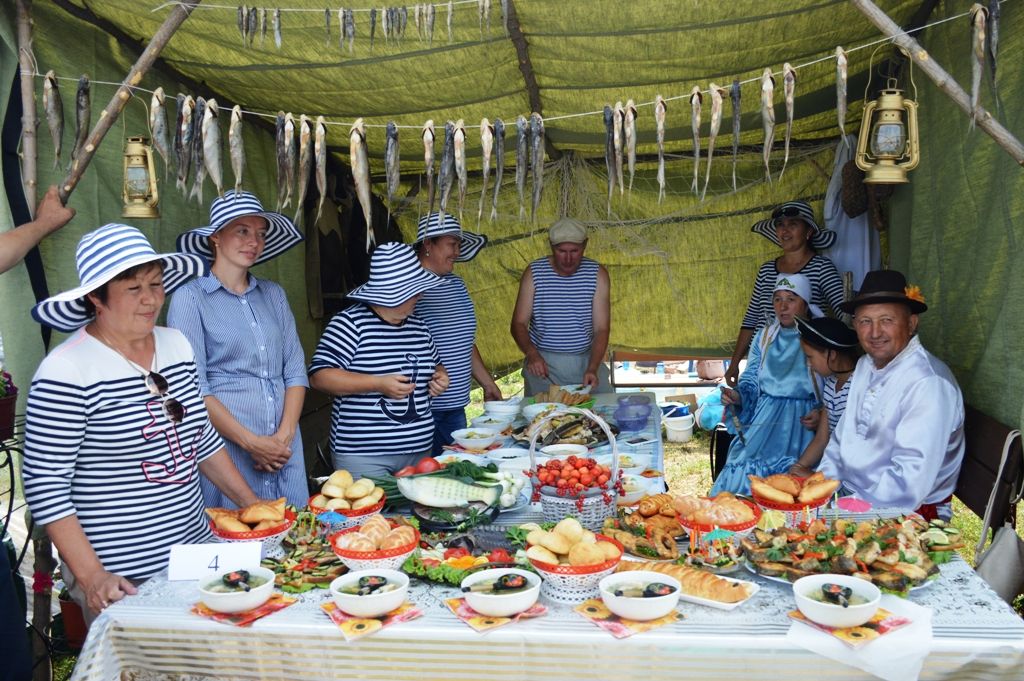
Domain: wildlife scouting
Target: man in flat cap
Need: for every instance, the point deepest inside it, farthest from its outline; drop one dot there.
(563, 315)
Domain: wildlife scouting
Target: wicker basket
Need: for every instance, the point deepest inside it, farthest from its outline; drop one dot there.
(352, 518)
(271, 539)
(595, 509)
(388, 559)
(795, 513)
(575, 583)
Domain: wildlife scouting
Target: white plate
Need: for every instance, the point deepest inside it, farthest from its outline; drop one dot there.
(750, 568)
(719, 605)
(449, 456)
(522, 501)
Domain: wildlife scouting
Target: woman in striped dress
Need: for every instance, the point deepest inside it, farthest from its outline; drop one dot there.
(252, 370)
(448, 311)
(793, 228)
(116, 432)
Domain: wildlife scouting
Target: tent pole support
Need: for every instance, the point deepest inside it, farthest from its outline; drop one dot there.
(943, 80)
(29, 122)
(120, 99)
(515, 34)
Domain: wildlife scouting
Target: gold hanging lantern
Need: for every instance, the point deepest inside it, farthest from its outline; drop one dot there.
(140, 191)
(888, 145)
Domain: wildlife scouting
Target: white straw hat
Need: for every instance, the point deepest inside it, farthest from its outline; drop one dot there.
(395, 276)
(282, 233)
(431, 226)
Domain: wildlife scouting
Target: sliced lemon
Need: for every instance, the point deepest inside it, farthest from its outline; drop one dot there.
(771, 520)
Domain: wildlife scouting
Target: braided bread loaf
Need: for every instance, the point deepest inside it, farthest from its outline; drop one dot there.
(694, 582)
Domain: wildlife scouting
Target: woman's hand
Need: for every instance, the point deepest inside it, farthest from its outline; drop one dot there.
(395, 386)
(811, 419)
(268, 453)
(730, 396)
(732, 374)
(104, 588)
(438, 382)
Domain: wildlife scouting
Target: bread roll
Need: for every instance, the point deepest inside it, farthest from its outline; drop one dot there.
(586, 554)
(533, 537)
(766, 491)
(785, 483)
(262, 510)
(333, 491)
(818, 490)
(318, 501)
(541, 555)
(359, 489)
(227, 523)
(355, 541)
(398, 537)
(588, 537)
(556, 543)
(652, 505)
(610, 550)
(338, 504)
(340, 478)
(365, 502)
(569, 528)
(267, 525)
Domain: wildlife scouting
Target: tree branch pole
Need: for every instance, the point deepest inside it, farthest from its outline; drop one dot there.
(27, 69)
(943, 80)
(124, 93)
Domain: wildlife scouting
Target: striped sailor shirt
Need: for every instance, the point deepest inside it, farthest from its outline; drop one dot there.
(98, 445)
(563, 307)
(835, 402)
(366, 424)
(826, 290)
(448, 311)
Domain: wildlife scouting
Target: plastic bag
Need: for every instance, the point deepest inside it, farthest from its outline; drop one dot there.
(710, 410)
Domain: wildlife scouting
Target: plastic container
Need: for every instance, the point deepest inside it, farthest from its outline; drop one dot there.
(679, 428)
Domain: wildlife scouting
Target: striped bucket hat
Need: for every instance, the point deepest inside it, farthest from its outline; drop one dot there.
(821, 239)
(431, 225)
(102, 255)
(282, 233)
(395, 276)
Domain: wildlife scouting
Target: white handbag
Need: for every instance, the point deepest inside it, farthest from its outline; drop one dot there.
(1002, 563)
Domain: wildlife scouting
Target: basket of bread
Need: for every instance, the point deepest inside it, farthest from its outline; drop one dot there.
(571, 559)
(725, 511)
(356, 500)
(378, 543)
(264, 521)
(797, 498)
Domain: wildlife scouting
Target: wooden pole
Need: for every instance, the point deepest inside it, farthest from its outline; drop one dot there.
(120, 99)
(943, 80)
(27, 68)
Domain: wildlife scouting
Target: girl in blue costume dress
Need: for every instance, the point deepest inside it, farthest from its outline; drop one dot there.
(774, 392)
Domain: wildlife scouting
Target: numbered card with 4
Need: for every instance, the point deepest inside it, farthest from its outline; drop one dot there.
(196, 561)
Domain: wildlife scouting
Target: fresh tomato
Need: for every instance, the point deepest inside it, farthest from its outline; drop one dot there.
(499, 556)
(455, 553)
(427, 464)
(408, 470)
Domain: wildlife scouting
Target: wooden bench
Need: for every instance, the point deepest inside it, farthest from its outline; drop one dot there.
(984, 438)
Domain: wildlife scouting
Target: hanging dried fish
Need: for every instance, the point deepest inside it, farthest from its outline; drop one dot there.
(183, 140)
(431, 11)
(198, 155)
(242, 21)
(385, 23)
(504, 15)
(305, 164)
(841, 93)
(428, 161)
(499, 163)
(451, 20)
(609, 151)
(486, 146)
(327, 28)
(978, 16)
(696, 98)
(417, 14)
(734, 96)
(768, 117)
(391, 162)
(281, 152)
(373, 26)
(53, 105)
(483, 10)
(263, 26)
(211, 146)
(320, 157)
(659, 120)
(277, 28)
(252, 23)
(629, 127)
(292, 152)
(522, 161)
(716, 122)
(460, 162)
(789, 91)
(993, 33)
(537, 160)
(83, 116)
(350, 30)
(361, 176)
(236, 146)
(619, 133)
(403, 14)
(446, 175)
(341, 29)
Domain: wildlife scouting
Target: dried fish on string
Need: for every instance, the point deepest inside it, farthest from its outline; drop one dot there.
(446, 175)
(350, 30)
(236, 146)
(789, 90)
(53, 105)
(391, 160)
(716, 122)
(291, 151)
(251, 25)
(768, 117)
(483, 8)
(609, 151)
(385, 23)
(659, 121)
(460, 162)
(281, 151)
(522, 162)
(428, 161)
(373, 26)
(341, 29)
(537, 160)
(486, 147)
(619, 133)
(629, 131)
(83, 115)
(841, 64)
(263, 26)
(417, 15)
(305, 164)
(157, 126)
(978, 16)
(993, 33)
(696, 98)
(504, 15)
(499, 163)
(320, 157)
(327, 27)
(211, 146)
(403, 14)
(361, 176)
(431, 10)
(242, 21)
(198, 155)
(183, 140)
(277, 28)
(734, 96)
(451, 20)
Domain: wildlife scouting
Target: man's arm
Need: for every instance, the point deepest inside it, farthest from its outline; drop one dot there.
(51, 215)
(602, 319)
(520, 327)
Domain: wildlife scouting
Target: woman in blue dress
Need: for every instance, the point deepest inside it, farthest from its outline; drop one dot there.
(251, 368)
(774, 392)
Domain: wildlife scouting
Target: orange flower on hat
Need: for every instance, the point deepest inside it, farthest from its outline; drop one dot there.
(914, 293)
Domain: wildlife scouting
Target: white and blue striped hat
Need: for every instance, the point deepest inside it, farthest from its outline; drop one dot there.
(820, 240)
(395, 276)
(432, 226)
(102, 255)
(282, 233)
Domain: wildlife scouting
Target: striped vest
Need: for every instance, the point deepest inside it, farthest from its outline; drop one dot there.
(448, 311)
(563, 307)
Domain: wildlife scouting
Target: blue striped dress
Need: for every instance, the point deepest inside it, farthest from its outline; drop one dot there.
(826, 291)
(563, 307)
(97, 445)
(368, 424)
(448, 311)
(247, 355)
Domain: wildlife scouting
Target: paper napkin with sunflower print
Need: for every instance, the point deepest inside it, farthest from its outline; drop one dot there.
(358, 627)
(483, 623)
(597, 612)
(277, 601)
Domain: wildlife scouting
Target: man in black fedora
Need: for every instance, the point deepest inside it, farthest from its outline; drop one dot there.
(900, 441)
